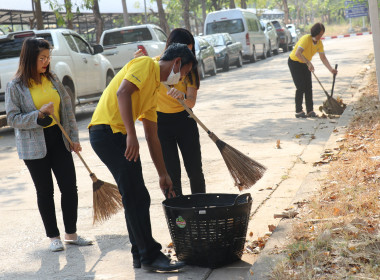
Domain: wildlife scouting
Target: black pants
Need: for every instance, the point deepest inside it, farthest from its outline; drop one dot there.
(302, 80)
(59, 160)
(110, 148)
(178, 130)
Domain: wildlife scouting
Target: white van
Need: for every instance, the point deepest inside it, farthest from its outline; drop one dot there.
(243, 26)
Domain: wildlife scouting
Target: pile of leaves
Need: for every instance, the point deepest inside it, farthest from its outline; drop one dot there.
(337, 233)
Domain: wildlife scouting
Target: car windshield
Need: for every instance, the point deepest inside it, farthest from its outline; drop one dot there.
(127, 36)
(215, 41)
(12, 48)
(228, 26)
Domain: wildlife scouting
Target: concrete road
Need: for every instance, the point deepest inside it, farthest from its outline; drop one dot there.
(248, 108)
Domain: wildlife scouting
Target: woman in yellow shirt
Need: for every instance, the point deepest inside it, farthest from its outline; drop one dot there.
(175, 128)
(300, 66)
(30, 98)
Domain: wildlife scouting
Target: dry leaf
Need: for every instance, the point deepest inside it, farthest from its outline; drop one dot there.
(271, 228)
(251, 234)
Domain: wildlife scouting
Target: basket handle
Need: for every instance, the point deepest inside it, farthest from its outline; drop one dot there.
(243, 198)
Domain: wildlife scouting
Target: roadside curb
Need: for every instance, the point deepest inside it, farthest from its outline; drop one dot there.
(270, 257)
(347, 35)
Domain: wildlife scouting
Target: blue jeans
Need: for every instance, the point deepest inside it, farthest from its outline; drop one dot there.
(110, 148)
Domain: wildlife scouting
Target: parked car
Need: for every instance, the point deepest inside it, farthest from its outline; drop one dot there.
(81, 68)
(227, 50)
(243, 26)
(271, 34)
(286, 42)
(120, 44)
(295, 32)
(205, 54)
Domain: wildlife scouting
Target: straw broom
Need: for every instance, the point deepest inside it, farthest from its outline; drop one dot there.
(331, 105)
(106, 197)
(244, 170)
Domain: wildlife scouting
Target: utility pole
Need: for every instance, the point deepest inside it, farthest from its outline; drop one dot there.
(375, 26)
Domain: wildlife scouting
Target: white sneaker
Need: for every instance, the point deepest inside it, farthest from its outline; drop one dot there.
(56, 245)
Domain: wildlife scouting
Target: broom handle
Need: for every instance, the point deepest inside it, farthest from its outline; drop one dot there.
(71, 142)
(328, 96)
(192, 114)
(332, 89)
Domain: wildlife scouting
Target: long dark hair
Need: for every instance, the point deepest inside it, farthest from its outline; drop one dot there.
(183, 36)
(316, 29)
(27, 68)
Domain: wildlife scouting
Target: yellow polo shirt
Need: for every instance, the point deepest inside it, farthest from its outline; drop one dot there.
(43, 94)
(144, 72)
(168, 104)
(309, 48)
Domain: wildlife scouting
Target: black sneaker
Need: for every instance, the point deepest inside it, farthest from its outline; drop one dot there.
(312, 114)
(301, 115)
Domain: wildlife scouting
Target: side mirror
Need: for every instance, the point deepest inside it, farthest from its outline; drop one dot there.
(229, 43)
(203, 48)
(97, 49)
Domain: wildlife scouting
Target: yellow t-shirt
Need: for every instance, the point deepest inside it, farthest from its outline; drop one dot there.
(309, 48)
(168, 104)
(44, 93)
(144, 72)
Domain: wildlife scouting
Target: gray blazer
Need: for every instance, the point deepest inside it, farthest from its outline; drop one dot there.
(22, 115)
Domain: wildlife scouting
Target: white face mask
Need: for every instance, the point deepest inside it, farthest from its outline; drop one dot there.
(173, 78)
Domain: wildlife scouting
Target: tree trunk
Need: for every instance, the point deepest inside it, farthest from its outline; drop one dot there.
(286, 11)
(243, 4)
(125, 12)
(38, 14)
(98, 21)
(204, 12)
(69, 14)
(232, 4)
(161, 14)
(186, 14)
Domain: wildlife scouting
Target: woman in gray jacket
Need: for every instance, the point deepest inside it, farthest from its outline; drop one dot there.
(30, 98)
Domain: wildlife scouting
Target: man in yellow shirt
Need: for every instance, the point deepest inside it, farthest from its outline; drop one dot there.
(132, 95)
(300, 66)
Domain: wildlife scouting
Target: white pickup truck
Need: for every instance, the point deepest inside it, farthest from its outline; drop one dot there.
(81, 68)
(120, 44)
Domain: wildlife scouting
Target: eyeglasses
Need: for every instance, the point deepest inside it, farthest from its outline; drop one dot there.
(44, 59)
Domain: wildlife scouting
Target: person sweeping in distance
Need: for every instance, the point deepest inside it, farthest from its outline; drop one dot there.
(300, 66)
(132, 95)
(30, 98)
(176, 129)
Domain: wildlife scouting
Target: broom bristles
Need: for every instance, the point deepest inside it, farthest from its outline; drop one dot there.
(244, 170)
(106, 201)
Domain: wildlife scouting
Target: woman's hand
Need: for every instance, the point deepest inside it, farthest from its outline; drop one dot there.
(76, 147)
(47, 109)
(166, 186)
(133, 147)
(310, 66)
(175, 93)
(138, 53)
(334, 71)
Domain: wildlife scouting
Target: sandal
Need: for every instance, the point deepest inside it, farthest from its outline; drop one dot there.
(301, 115)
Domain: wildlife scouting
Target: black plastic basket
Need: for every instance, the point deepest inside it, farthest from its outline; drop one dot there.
(208, 230)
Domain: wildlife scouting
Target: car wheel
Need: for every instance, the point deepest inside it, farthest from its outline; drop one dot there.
(264, 56)
(226, 65)
(269, 52)
(71, 93)
(213, 70)
(239, 62)
(202, 73)
(253, 58)
(109, 78)
(277, 47)
(285, 48)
